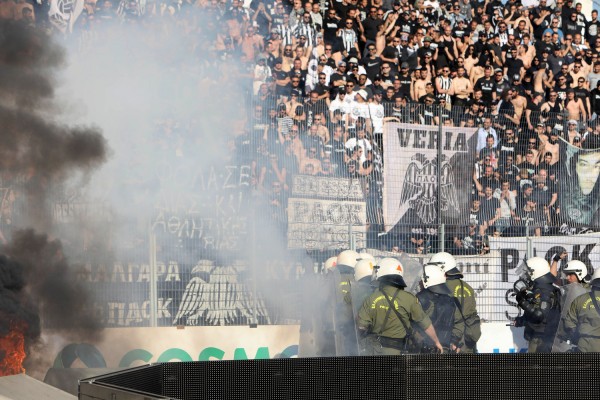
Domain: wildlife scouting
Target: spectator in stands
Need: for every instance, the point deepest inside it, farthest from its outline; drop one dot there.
(490, 209)
(490, 151)
(529, 163)
(484, 132)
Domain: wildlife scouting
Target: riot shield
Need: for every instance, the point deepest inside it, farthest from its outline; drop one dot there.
(327, 327)
(316, 325)
(570, 292)
(412, 272)
(342, 316)
(359, 292)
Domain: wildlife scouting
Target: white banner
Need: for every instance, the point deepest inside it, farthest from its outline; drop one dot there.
(129, 347)
(411, 170)
(323, 224)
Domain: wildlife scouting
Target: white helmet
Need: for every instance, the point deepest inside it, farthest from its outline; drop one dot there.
(389, 267)
(363, 269)
(365, 256)
(445, 261)
(348, 258)
(537, 267)
(432, 275)
(576, 267)
(330, 263)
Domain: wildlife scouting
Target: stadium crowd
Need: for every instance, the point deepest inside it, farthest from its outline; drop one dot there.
(322, 77)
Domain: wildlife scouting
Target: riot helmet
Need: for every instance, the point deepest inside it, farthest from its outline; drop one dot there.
(390, 270)
(434, 279)
(363, 269)
(347, 258)
(446, 262)
(537, 267)
(578, 268)
(330, 263)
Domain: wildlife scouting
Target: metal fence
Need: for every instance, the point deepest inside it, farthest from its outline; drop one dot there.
(247, 237)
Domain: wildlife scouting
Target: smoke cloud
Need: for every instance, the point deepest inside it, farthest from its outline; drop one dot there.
(40, 150)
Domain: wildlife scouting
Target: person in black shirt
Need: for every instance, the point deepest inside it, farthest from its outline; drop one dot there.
(507, 146)
(592, 139)
(528, 164)
(509, 171)
(490, 207)
(582, 93)
(330, 26)
(372, 62)
(487, 86)
(371, 26)
(514, 66)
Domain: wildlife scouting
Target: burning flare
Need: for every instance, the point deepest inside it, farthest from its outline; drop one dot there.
(12, 350)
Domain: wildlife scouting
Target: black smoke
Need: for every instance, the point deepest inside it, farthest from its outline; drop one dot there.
(40, 151)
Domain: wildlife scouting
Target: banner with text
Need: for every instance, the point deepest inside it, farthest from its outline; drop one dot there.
(323, 211)
(411, 170)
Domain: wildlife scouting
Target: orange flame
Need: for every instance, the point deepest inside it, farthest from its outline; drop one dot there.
(12, 350)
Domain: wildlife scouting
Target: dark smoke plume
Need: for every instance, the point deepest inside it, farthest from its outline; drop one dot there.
(39, 152)
(51, 284)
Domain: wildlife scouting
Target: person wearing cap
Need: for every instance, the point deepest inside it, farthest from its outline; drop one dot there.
(425, 51)
(339, 78)
(339, 103)
(282, 80)
(582, 321)
(405, 79)
(360, 110)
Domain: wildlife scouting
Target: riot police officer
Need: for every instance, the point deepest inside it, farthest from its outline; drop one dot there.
(386, 317)
(576, 276)
(345, 263)
(541, 306)
(582, 323)
(442, 308)
(342, 275)
(465, 295)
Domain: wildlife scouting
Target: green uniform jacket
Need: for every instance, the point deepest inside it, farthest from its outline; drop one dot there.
(583, 322)
(374, 309)
(465, 295)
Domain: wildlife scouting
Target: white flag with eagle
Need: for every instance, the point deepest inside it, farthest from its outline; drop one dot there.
(411, 170)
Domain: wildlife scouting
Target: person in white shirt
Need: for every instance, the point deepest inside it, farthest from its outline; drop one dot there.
(483, 133)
